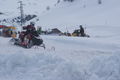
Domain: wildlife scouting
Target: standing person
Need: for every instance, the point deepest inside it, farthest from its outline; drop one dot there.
(82, 31)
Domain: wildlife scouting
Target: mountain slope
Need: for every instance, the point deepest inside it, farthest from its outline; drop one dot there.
(10, 8)
(66, 13)
(82, 12)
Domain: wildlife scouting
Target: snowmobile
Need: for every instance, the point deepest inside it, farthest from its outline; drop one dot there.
(76, 33)
(28, 41)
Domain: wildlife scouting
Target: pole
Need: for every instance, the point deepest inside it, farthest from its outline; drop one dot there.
(22, 20)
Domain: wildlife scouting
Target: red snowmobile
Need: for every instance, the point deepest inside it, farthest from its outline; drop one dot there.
(28, 41)
(28, 38)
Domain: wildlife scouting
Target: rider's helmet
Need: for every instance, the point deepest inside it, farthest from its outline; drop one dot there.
(32, 23)
(80, 26)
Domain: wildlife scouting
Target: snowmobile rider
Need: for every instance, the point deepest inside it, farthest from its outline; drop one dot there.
(82, 31)
(30, 29)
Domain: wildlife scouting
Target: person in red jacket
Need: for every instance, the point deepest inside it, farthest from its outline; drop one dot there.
(30, 28)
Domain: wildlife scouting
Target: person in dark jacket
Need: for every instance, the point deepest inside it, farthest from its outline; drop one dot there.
(82, 31)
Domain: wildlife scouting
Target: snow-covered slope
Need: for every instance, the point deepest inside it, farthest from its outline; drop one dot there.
(66, 14)
(85, 12)
(11, 8)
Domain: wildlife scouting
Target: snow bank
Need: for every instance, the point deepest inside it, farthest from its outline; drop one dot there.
(22, 66)
(46, 66)
(105, 68)
(43, 66)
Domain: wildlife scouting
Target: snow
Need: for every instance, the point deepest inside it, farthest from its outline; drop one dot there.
(71, 15)
(11, 8)
(67, 58)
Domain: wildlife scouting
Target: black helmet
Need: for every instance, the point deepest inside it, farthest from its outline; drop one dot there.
(80, 26)
(32, 23)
